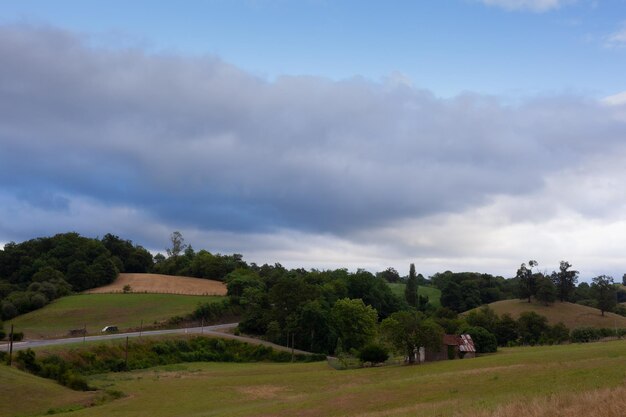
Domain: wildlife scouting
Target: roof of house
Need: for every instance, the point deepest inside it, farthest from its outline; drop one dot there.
(464, 342)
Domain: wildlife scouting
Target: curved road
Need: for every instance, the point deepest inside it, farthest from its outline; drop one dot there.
(207, 330)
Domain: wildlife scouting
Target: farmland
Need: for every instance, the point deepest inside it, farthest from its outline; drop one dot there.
(162, 284)
(98, 310)
(509, 379)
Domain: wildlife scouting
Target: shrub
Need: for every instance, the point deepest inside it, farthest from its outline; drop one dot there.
(373, 353)
(585, 334)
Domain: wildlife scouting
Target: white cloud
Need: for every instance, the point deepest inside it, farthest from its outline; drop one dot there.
(538, 6)
(617, 39)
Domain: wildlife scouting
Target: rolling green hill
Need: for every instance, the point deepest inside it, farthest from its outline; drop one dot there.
(432, 293)
(572, 315)
(98, 310)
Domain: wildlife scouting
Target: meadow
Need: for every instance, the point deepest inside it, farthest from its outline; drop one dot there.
(127, 311)
(433, 294)
(570, 377)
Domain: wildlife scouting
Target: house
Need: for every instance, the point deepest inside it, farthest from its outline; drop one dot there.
(453, 347)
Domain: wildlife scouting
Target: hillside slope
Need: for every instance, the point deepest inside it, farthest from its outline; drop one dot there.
(94, 311)
(572, 315)
(25, 394)
(162, 284)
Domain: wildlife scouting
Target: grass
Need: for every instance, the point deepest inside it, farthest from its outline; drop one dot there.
(433, 294)
(23, 394)
(522, 376)
(98, 310)
(572, 315)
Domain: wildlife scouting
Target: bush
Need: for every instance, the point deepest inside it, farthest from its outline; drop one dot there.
(373, 353)
(585, 335)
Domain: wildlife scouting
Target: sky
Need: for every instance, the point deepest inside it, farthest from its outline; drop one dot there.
(463, 135)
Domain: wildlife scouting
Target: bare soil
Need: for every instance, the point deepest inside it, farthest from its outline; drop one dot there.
(162, 284)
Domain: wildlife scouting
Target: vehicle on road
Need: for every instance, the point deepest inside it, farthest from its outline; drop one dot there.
(110, 329)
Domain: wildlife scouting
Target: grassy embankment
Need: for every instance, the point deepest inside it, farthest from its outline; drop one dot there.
(514, 379)
(572, 315)
(98, 310)
(433, 294)
(24, 394)
(165, 284)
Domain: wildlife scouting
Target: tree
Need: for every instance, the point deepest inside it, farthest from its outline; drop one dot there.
(532, 327)
(409, 330)
(527, 280)
(604, 292)
(353, 322)
(565, 281)
(410, 290)
(389, 275)
(546, 290)
(484, 340)
(178, 244)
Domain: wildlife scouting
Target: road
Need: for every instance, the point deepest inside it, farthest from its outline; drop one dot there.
(207, 330)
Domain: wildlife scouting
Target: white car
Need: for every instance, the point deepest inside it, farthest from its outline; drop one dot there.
(110, 329)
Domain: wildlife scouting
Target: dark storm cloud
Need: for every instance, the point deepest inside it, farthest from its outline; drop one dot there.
(200, 143)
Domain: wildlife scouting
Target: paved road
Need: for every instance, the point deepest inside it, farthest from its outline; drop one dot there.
(208, 330)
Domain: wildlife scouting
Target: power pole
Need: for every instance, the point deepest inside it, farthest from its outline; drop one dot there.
(11, 346)
(126, 355)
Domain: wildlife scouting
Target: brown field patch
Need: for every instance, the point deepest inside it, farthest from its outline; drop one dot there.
(162, 284)
(264, 392)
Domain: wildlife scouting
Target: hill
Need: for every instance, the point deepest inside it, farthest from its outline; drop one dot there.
(127, 311)
(567, 380)
(572, 315)
(162, 284)
(26, 394)
(433, 294)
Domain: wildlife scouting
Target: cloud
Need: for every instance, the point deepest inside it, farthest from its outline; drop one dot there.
(538, 6)
(617, 39)
(301, 170)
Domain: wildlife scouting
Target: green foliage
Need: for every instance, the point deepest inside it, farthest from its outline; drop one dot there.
(604, 293)
(527, 280)
(37, 271)
(565, 281)
(532, 327)
(484, 340)
(410, 291)
(353, 322)
(389, 275)
(506, 330)
(71, 368)
(546, 291)
(373, 353)
(592, 334)
(410, 330)
(464, 291)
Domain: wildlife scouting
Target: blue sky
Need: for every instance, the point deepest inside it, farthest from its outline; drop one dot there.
(462, 135)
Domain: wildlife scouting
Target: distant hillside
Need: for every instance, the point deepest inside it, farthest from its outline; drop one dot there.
(433, 294)
(572, 315)
(162, 284)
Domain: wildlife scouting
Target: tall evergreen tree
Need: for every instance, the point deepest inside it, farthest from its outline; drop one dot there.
(410, 290)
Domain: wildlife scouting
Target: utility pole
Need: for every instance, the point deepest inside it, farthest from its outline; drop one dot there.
(140, 328)
(84, 332)
(126, 355)
(11, 346)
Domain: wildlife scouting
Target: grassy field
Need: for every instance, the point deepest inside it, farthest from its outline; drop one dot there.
(98, 310)
(515, 377)
(572, 315)
(23, 394)
(432, 293)
(162, 284)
